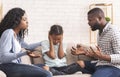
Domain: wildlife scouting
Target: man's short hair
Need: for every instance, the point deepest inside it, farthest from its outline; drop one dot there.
(97, 12)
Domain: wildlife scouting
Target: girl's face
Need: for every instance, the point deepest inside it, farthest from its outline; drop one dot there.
(56, 38)
(24, 22)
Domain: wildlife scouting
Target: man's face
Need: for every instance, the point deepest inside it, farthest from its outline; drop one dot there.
(94, 22)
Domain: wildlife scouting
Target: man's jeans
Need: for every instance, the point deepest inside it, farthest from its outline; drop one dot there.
(106, 71)
(22, 70)
(101, 71)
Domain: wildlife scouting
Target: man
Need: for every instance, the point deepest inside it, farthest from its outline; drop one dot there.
(108, 49)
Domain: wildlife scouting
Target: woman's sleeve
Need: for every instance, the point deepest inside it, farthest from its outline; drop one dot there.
(29, 46)
(6, 54)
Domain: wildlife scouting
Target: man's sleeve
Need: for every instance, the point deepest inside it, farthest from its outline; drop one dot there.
(115, 58)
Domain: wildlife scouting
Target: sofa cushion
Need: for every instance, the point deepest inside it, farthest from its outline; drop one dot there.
(74, 75)
(26, 60)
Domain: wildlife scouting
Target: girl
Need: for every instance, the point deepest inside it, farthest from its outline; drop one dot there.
(54, 53)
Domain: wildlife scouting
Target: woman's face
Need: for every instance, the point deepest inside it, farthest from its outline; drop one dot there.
(24, 22)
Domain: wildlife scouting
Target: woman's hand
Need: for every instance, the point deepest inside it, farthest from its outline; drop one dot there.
(33, 54)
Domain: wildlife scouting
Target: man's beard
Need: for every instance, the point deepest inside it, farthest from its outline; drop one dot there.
(95, 26)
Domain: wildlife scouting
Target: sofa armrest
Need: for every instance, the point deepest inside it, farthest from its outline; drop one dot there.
(39, 60)
(25, 59)
(70, 58)
(2, 74)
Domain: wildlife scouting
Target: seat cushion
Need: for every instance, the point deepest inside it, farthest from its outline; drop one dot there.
(74, 75)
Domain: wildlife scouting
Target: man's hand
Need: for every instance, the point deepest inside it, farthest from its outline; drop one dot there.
(78, 50)
(94, 53)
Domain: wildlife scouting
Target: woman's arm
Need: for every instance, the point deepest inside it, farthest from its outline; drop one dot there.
(29, 46)
(6, 53)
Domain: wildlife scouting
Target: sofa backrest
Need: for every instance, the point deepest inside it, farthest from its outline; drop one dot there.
(70, 58)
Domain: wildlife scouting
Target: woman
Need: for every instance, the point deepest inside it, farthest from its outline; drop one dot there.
(12, 30)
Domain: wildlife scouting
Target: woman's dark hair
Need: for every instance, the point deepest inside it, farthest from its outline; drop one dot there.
(11, 20)
(56, 29)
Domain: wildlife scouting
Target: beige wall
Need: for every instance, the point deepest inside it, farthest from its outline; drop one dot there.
(0, 10)
(71, 14)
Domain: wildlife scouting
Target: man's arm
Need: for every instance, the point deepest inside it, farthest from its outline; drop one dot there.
(98, 55)
(115, 57)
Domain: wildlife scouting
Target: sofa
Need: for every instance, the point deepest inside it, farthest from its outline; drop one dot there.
(70, 59)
